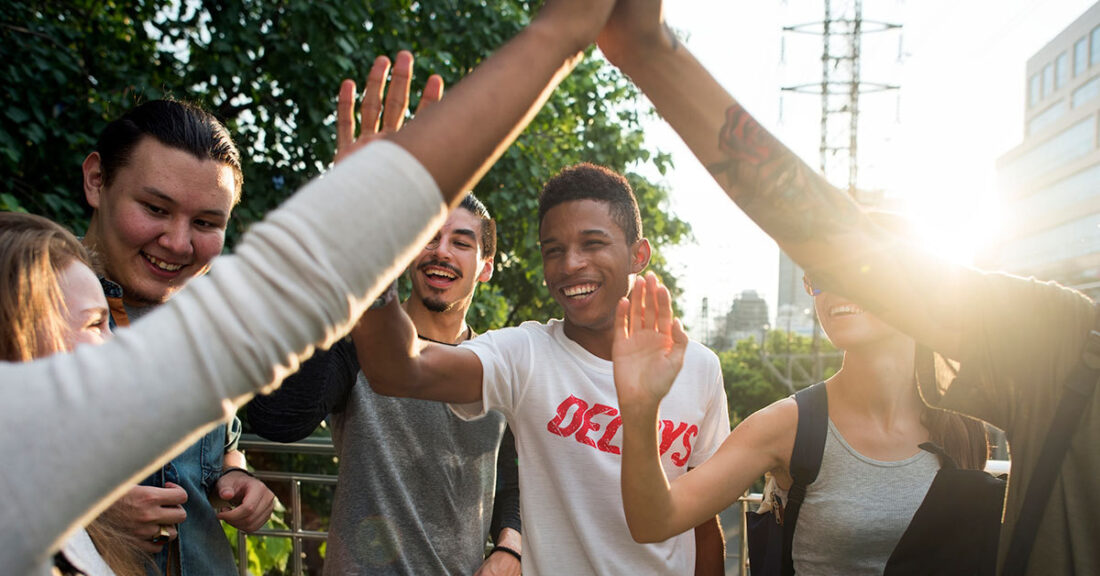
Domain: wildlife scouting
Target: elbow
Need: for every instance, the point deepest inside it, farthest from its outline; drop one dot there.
(387, 388)
(643, 534)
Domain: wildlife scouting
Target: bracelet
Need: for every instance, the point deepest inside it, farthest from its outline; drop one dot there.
(507, 550)
(234, 469)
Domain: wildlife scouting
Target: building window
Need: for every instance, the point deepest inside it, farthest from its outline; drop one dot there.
(1048, 80)
(1061, 70)
(1034, 90)
(1094, 54)
(1080, 56)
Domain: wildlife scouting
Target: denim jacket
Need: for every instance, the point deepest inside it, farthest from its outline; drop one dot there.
(202, 548)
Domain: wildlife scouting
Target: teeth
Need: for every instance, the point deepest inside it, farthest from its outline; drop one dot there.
(162, 264)
(440, 272)
(845, 309)
(579, 289)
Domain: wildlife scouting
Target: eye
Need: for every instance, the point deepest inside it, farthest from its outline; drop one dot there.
(100, 323)
(208, 224)
(154, 209)
(463, 244)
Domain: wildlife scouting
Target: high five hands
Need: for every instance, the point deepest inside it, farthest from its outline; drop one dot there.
(376, 119)
(649, 345)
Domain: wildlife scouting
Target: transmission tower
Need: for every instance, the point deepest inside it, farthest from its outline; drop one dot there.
(839, 88)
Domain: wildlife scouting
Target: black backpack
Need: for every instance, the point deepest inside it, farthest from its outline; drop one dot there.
(954, 531)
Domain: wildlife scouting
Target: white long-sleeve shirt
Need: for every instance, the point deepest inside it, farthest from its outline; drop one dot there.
(75, 428)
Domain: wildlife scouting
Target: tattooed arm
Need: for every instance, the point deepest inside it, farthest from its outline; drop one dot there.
(819, 226)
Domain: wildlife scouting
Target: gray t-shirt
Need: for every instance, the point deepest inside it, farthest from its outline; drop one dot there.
(857, 509)
(416, 486)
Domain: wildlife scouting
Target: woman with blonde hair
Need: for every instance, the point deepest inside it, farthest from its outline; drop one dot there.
(50, 302)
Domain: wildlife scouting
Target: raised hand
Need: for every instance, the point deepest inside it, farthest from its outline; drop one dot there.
(376, 119)
(649, 345)
(633, 26)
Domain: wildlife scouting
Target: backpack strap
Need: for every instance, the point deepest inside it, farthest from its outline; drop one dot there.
(809, 444)
(1076, 392)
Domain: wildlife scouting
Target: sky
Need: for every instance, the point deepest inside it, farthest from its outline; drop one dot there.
(933, 144)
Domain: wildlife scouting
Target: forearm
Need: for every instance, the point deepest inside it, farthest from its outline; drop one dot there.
(234, 459)
(506, 503)
(459, 138)
(816, 224)
(296, 281)
(646, 495)
(298, 407)
(710, 549)
(388, 350)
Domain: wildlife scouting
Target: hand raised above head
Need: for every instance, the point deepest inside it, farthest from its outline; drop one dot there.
(375, 118)
(634, 25)
(649, 345)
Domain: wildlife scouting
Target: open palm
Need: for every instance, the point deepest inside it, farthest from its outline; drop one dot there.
(649, 345)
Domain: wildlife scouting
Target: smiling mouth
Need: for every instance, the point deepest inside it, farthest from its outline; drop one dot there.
(845, 310)
(161, 264)
(579, 290)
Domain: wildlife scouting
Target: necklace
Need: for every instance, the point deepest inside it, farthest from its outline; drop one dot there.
(465, 336)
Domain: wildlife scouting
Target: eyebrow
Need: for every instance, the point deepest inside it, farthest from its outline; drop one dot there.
(465, 232)
(154, 192)
(590, 232)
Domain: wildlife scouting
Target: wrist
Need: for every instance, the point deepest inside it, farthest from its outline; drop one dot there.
(567, 44)
(640, 52)
(230, 469)
(507, 550)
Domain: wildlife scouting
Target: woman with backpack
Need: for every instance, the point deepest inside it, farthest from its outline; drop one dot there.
(873, 474)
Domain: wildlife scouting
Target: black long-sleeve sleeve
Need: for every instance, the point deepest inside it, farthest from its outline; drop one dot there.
(320, 387)
(506, 503)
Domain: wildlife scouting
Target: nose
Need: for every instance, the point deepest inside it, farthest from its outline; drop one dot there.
(176, 238)
(574, 260)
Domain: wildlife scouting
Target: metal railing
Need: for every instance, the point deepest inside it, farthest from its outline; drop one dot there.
(736, 565)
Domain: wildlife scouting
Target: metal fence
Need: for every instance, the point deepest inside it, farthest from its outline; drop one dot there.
(301, 538)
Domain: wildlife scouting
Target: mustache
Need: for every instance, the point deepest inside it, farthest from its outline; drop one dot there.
(440, 264)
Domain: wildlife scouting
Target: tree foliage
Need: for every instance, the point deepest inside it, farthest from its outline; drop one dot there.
(756, 376)
(270, 70)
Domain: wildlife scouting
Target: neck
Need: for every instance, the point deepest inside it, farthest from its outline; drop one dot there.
(878, 381)
(597, 342)
(447, 327)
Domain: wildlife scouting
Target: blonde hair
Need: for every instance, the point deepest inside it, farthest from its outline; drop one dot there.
(33, 252)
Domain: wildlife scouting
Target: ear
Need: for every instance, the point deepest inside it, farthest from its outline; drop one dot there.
(641, 253)
(93, 179)
(486, 271)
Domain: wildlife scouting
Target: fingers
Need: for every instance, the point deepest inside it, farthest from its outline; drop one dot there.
(621, 312)
(637, 306)
(397, 98)
(651, 289)
(253, 511)
(371, 107)
(345, 116)
(433, 92)
(664, 309)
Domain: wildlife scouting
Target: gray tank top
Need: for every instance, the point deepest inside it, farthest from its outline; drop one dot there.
(857, 509)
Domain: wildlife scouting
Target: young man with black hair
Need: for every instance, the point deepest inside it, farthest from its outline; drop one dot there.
(162, 182)
(553, 382)
(416, 484)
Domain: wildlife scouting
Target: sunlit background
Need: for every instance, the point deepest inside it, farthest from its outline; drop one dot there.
(931, 147)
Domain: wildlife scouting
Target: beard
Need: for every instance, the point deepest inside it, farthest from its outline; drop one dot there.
(437, 305)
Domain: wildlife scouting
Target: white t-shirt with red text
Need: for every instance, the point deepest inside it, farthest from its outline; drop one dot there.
(560, 402)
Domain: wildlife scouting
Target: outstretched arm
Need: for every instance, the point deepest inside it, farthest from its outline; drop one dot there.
(458, 139)
(647, 355)
(819, 226)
